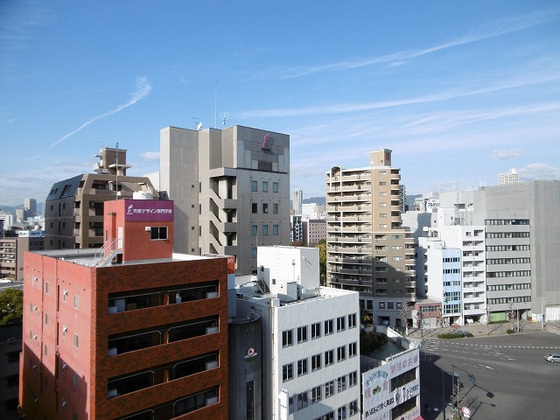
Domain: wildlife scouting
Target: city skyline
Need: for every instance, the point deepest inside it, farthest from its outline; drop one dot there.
(459, 91)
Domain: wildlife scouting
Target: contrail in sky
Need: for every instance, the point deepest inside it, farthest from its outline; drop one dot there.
(143, 89)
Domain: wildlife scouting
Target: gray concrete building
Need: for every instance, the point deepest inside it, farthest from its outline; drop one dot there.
(522, 244)
(230, 188)
(368, 250)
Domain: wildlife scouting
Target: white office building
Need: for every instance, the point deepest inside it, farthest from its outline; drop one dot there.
(310, 336)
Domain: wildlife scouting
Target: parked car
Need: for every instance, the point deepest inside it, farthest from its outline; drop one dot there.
(552, 357)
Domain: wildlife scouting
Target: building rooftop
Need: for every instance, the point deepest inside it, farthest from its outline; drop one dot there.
(93, 258)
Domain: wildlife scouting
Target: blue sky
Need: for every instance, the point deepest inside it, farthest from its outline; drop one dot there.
(459, 90)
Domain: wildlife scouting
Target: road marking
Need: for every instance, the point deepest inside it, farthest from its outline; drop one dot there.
(486, 366)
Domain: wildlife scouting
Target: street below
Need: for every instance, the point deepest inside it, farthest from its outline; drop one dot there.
(497, 377)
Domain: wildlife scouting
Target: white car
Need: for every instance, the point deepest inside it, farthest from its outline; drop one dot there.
(552, 357)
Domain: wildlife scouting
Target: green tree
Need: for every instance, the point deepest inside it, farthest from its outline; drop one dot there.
(11, 306)
(322, 245)
(371, 341)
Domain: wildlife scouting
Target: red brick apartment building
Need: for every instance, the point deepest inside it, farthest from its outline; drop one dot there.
(132, 331)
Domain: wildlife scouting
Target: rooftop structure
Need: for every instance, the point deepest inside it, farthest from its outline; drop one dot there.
(74, 206)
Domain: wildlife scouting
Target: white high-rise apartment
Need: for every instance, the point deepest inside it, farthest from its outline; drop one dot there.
(230, 188)
(368, 250)
(298, 201)
(511, 177)
(311, 336)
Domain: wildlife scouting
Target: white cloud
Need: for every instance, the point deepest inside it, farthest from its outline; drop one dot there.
(489, 30)
(505, 154)
(534, 171)
(143, 89)
(150, 155)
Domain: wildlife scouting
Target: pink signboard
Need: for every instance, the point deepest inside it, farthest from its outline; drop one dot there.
(148, 211)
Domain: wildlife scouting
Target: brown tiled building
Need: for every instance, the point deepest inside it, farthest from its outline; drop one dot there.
(74, 206)
(133, 332)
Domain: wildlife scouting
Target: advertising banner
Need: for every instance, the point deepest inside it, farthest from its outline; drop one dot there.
(149, 211)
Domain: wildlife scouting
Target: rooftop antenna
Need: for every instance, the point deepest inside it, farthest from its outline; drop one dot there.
(224, 116)
(117, 173)
(215, 104)
(197, 123)
(199, 126)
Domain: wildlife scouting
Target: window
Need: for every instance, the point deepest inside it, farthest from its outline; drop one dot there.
(316, 330)
(329, 389)
(47, 288)
(265, 186)
(254, 230)
(254, 252)
(75, 340)
(315, 394)
(353, 379)
(302, 367)
(265, 208)
(329, 357)
(158, 233)
(353, 408)
(329, 327)
(352, 321)
(287, 339)
(275, 229)
(76, 302)
(341, 353)
(352, 349)
(341, 323)
(196, 401)
(275, 208)
(254, 186)
(316, 362)
(46, 350)
(288, 372)
(341, 381)
(342, 413)
(46, 319)
(265, 230)
(275, 187)
(302, 400)
(254, 208)
(302, 334)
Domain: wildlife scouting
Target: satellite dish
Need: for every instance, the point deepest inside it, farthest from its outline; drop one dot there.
(198, 126)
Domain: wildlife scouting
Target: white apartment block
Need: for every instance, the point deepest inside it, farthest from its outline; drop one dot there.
(312, 211)
(311, 337)
(298, 201)
(230, 188)
(368, 250)
(511, 177)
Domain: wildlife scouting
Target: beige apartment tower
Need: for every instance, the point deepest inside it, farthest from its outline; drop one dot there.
(230, 188)
(368, 250)
(74, 206)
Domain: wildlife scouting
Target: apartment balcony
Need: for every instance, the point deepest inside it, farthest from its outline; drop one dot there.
(230, 227)
(355, 239)
(355, 208)
(356, 197)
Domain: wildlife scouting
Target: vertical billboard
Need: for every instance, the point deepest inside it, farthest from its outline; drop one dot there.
(383, 390)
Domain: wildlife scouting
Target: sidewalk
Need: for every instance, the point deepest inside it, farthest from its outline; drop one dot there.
(482, 330)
